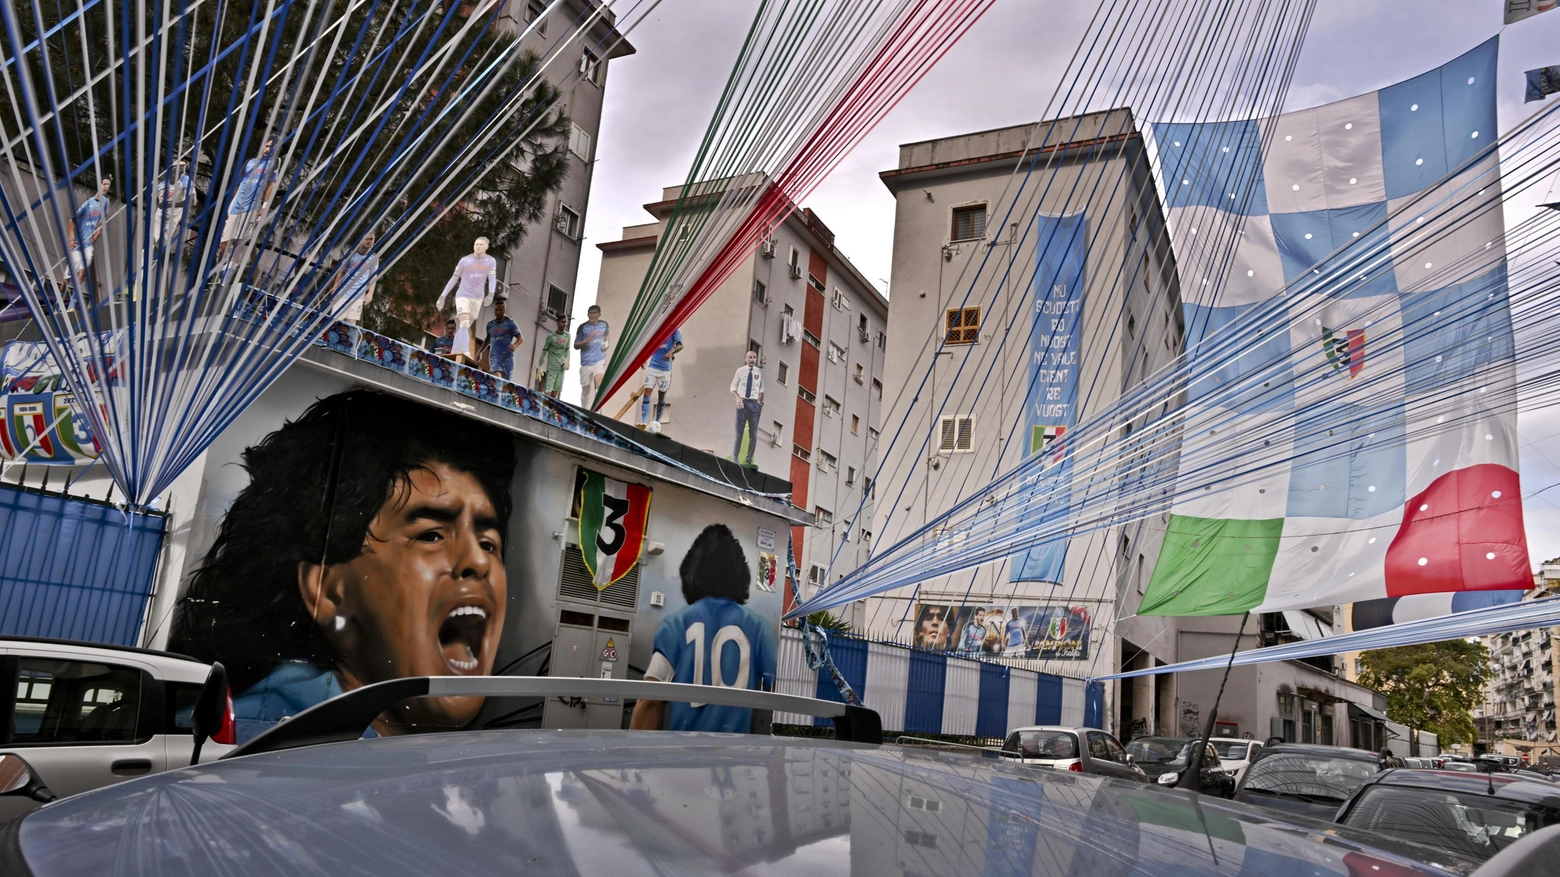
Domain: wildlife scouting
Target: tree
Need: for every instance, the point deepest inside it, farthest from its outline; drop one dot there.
(1430, 687)
(314, 107)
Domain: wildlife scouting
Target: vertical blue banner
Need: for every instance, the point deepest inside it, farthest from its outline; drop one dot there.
(1050, 406)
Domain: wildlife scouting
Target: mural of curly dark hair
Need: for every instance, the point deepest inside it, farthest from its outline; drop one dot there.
(315, 485)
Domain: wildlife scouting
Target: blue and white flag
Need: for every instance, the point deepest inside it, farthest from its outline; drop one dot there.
(1346, 306)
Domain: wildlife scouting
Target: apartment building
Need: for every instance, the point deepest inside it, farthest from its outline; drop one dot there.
(1518, 713)
(540, 272)
(819, 328)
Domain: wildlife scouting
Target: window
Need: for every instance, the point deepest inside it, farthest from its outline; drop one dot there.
(1131, 326)
(836, 352)
(760, 293)
(825, 517)
(74, 702)
(872, 434)
(755, 347)
(807, 394)
(579, 141)
(831, 407)
(827, 462)
(882, 338)
(841, 303)
(810, 338)
(557, 301)
(775, 433)
(784, 374)
(956, 434)
(535, 9)
(568, 221)
(864, 537)
(861, 328)
(866, 486)
(801, 453)
(969, 223)
(963, 325)
(790, 312)
(590, 67)
(855, 424)
(850, 476)
(877, 388)
(794, 263)
(815, 575)
(815, 283)
(861, 372)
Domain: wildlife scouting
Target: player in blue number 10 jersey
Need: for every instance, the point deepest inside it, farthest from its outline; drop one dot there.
(714, 641)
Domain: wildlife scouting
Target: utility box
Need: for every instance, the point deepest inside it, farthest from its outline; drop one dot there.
(591, 641)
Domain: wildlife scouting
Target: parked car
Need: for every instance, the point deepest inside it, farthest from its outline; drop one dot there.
(311, 799)
(1235, 755)
(87, 715)
(1472, 816)
(1459, 766)
(1165, 761)
(1305, 779)
(1079, 750)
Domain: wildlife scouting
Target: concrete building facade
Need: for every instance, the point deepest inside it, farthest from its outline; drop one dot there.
(541, 271)
(1518, 713)
(965, 249)
(819, 328)
(966, 244)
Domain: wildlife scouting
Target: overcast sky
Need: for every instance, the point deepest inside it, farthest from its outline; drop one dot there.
(1003, 72)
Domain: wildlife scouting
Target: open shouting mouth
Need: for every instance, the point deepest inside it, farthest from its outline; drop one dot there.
(462, 636)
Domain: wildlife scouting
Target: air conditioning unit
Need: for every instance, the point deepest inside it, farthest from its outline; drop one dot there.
(796, 272)
(766, 249)
(862, 334)
(828, 412)
(859, 380)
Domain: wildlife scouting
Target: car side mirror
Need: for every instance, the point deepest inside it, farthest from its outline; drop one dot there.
(210, 708)
(1168, 778)
(1130, 759)
(18, 779)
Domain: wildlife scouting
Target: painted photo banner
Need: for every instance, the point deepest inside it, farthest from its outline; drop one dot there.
(1030, 631)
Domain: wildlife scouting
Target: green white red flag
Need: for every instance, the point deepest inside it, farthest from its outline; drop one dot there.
(612, 526)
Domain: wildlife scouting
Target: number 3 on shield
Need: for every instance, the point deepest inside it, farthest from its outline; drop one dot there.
(615, 507)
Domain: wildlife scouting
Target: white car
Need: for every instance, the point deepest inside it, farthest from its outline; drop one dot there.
(87, 715)
(1235, 755)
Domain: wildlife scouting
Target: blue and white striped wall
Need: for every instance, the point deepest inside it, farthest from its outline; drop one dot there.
(922, 692)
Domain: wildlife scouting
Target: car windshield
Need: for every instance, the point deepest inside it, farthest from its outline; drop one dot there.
(1043, 744)
(1158, 750)
(1231, 751)
(1461, 766)
(1474, 825)
(1308, 775)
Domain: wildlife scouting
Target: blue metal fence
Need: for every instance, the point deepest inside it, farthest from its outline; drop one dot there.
(73, 568)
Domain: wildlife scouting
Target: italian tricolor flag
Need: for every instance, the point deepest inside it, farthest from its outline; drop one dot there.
(612, 525)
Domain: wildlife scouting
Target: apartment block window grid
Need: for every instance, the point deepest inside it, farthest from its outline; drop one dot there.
(969, 223)
(963, 325)
(810, 338)
(836, 352)
(535, 9)
(956, 433)
(568, 222)
(590, 67)
(760, 292)
(579, 141)
(807, 394)
(877, 389)
(841, 303)
(825, 517)
(831, 406)
(827, 462)
(784, 374)
(557, 301)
